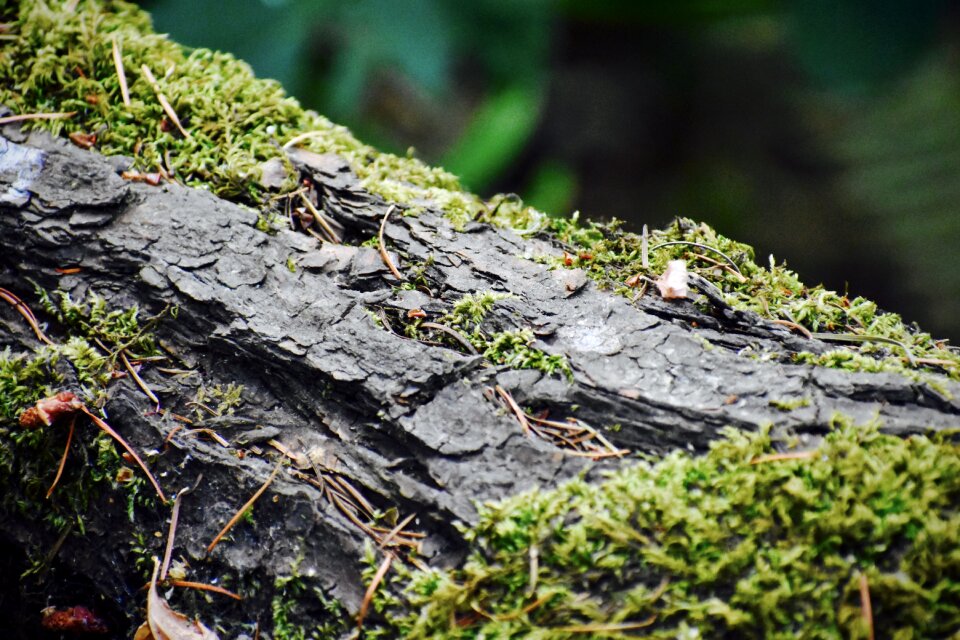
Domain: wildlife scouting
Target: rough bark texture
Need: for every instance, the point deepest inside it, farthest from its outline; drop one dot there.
(406, 423)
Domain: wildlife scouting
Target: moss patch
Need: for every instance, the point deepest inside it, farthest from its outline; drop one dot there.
(614, 258)
(713, 546)
(61, 60)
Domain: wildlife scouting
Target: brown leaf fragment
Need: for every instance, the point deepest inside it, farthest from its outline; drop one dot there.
(167, 624)
(49, 410)
(83, 140)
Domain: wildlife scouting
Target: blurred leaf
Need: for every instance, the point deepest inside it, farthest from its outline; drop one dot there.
(495, 136)
(270, 35)
(852, 44)
(412, 37)
(902, 152)
(552, 188)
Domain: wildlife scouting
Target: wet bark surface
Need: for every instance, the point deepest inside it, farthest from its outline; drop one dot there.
(409, 425)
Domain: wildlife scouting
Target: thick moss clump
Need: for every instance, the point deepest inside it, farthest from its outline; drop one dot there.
(61, 60)
(736, 543)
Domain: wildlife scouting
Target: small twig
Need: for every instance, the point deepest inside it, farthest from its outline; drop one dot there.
(792, 455)
(121, 74)
(213, 434)
(383, 249)
(123, 443)
(796, 327)
(702, 246)
(453, 333)
(171, 533)
(517, 411)
(866, 608)
(205, 587)
(356, 495)
(140, 383)
(27, 314)
(856, 337)
(319, 217)
(63, 459)
(163, 100)
(372, 589)
(249, 503)
(385, 540)
(304, 136)
(37, 116)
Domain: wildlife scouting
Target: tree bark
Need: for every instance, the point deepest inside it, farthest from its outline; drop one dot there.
(409, 425)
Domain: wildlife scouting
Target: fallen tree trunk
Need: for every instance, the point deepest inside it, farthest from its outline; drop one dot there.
(370, 419)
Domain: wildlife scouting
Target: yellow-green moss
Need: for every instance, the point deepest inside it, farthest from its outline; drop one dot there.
(713, 546)
(612, 257)
(61, 60)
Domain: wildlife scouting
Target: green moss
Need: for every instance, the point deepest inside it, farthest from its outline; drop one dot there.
(713, 546)
(611, 257)
(294, 598)
(513, 349)
(61, 60)
(29, 458)
(790, 404)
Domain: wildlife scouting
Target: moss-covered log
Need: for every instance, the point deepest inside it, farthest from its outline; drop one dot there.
(408, 352)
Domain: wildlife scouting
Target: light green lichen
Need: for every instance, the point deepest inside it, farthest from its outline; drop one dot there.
(713, 546)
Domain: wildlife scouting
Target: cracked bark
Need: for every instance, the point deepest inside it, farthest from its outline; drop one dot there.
(406, 423)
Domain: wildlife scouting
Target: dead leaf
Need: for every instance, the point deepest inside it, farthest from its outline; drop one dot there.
(673, 282)
(167, 624)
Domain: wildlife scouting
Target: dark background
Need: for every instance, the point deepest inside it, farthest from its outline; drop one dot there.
(824, 132)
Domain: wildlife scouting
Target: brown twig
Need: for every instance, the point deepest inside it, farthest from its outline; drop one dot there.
(37, 116)
(383, 248)
(123, 443)
(167, 108)
(172, 533)
(385, 540)
(63, 459)
(453, 333)
(517, 411)
(319, 217)
(201, 586)
(24, 311)
(866, 608)
(121, 74)
(372, 589)
(796, 327)
(140, 383)
(249, 503)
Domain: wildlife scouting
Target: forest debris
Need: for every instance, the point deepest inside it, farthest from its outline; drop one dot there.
(72, 620)
(121, 73)
(383, 249)
(24, 310)
(372, 589)
(37, 116)
(167, 624)
(249, 503)
(673, 281)
(167, 108)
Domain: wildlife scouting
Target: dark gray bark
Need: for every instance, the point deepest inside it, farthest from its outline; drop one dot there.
(406, 423)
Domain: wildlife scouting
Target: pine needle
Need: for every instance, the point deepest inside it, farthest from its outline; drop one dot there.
(249, 503)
